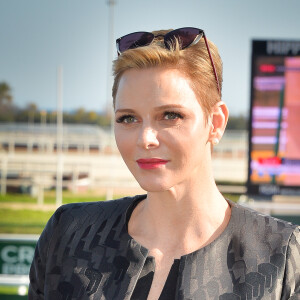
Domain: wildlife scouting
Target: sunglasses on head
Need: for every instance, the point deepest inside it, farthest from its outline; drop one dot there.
(186, 37)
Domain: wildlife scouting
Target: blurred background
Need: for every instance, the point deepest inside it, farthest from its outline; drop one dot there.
(56, 139)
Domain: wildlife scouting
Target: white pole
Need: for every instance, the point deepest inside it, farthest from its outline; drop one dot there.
(59, 137)
(3, 176)
(109, 107)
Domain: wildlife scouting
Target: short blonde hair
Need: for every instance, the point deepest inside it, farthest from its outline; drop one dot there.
(193, 61)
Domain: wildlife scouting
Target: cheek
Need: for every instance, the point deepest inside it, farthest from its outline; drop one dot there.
(189, 144)
(186, 138)
(123, 142)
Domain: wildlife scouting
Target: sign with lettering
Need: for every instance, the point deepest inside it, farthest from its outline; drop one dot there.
(16, 255)
(274, 140)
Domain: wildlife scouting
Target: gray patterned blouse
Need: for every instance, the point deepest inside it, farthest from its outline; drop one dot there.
(85, 252)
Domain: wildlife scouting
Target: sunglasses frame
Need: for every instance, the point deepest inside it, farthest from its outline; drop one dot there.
(168, 37)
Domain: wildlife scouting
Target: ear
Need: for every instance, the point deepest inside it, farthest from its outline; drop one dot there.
(219, 118)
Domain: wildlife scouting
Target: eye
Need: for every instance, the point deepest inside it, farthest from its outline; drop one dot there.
(170, 115)
(127, 119)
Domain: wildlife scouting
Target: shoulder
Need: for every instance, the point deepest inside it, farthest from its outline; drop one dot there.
(261, 228)
(73, 228)
(100, 210)
(72, 221)
(262, 220)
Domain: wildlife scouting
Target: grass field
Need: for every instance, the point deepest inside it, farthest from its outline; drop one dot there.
(10, 290)
(23, 221)
(68, 197)
(20, 213)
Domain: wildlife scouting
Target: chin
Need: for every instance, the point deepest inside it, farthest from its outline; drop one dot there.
(154, 180)
(154, 185)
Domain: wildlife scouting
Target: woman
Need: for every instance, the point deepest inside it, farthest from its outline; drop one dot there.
(182, 240)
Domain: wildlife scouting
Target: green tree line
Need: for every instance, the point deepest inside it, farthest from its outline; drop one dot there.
(9, 112)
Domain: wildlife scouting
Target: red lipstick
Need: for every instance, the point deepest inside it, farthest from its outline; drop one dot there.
(151, 163)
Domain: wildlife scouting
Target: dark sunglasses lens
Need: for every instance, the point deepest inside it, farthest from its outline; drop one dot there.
(185, 37)
(135, 40)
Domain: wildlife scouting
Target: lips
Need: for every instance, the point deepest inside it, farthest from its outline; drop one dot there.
(151, 163)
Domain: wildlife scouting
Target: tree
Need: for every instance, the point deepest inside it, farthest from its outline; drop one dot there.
(32, 112)
(7, 110)
(5, 94)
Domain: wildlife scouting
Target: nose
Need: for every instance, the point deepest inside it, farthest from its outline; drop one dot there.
(148, 138)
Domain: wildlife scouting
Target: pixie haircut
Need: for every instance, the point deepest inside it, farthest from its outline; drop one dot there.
(193, 62)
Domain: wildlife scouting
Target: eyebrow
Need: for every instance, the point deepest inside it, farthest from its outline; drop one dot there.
(127, 110)
(168, 106)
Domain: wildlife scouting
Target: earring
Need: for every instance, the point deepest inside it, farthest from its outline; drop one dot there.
(215, 141)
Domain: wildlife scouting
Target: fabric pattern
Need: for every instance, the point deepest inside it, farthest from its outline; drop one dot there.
(85, 252)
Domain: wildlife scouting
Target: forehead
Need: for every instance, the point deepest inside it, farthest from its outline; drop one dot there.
(155, 86)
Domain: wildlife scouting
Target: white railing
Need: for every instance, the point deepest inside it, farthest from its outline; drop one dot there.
(14, 280)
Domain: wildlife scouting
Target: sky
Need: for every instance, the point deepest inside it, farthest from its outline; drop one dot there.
(38, 36)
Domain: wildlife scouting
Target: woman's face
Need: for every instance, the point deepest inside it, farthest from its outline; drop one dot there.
(160, 128)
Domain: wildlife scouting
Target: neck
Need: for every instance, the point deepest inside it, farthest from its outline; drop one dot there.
(187, 208)
(190, 215)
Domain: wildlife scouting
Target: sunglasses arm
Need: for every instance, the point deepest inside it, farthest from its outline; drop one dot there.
(213, 65)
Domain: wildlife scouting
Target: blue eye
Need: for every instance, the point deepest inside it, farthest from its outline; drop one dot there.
(169, 115)
(127, 119)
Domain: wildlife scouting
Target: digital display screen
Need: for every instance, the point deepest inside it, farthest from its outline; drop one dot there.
(274, 139)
